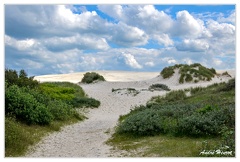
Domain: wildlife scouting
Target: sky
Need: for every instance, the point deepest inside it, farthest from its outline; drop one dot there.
(55, 39)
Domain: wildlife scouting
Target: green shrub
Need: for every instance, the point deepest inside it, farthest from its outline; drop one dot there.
(60, 110)
(230, 85)
(21, 79)
(91, 77)
(57, 92)
(85, 102)
(208, 122)
(159, 87)
(167, 72)
(25, 107)
(188, 78)
(196, 90)
(146, 122)
(181, 79)
(175, 96)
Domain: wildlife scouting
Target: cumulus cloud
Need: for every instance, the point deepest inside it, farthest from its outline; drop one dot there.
(66, 38)
(128, 36)
(24, 44)
(221, 30)
(77, 41)
(186, 25)
(193, 45)
(163, 39)
(131, 61)
(229, 19)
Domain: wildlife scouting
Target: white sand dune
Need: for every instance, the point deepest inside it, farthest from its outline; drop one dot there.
(112, 76)
(87, 138)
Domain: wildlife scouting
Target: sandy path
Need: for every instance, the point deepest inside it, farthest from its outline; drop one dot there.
(87, 138)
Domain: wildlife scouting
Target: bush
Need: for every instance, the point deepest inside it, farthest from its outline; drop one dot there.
(146, 122)
(206, 122)
(57, 92)
(167, 72)
(159, 87)
(21, 79)
(188, 78)
(92, 77)
(60, 110)
(85, 102)
(196, 90)
(230, 85)
(25, 107)
(175, 96)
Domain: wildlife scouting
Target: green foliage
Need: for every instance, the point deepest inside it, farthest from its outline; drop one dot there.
(68, 92)
(204, 114)
(38, 105)
(91, 77)
(188, 78)
(189, 73)
(196, 90)
(85, 102)
(230, 85)
(14, 137)
(167, 72)
(25, 107)
(60, 110)
(21, 79)
(159, 87)
(57, 92)
(176, 95)
(146, 122)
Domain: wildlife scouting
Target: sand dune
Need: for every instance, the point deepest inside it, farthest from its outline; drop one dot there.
(87, 139)
(111, 76)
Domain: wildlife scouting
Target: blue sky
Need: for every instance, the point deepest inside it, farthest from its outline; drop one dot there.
(54, 39)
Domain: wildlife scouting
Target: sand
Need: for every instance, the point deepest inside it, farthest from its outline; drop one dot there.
(87, 138)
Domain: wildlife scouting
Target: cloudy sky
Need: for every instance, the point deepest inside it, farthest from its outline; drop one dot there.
(54, 39)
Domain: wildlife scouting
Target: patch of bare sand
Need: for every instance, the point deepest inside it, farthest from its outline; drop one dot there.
(87, 138)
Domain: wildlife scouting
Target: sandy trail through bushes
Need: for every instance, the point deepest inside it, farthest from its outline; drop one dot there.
(87, 138)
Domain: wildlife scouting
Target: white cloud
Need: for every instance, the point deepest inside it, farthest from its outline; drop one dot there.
(21, 45)
(163, 39)
(229, 19)
(187, 61)
(81, 42)
(169, 60)
(187, 26)
(220, 30)
(196, 45)
(128, 36)
(63, 41)
(131, 61)
(151, 64)
(115, 11)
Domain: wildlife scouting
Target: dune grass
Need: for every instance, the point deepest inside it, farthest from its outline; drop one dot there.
(160, 145)
(20, 136)
(188, 73)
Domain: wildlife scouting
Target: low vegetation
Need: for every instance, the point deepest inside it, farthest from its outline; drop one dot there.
(209, 114)
(127, 91)
(159, 87)
(31, 105)
(91, 77)
(188, 73)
